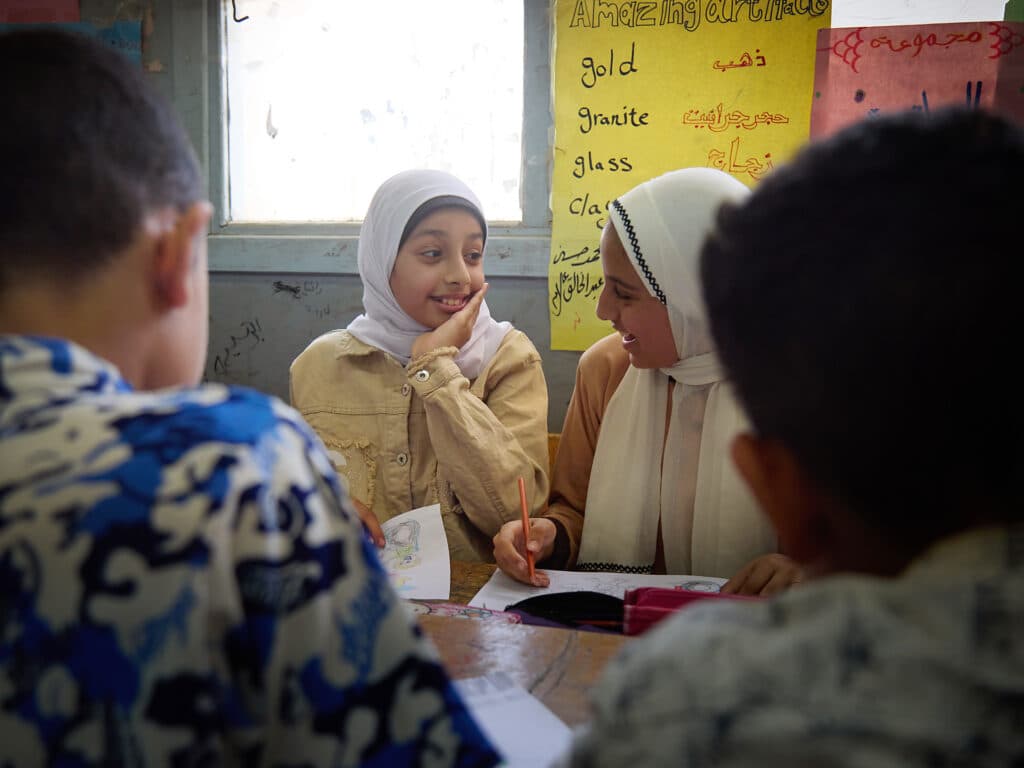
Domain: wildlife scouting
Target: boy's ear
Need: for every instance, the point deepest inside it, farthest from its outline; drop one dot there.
(797, 510)
(176, 250)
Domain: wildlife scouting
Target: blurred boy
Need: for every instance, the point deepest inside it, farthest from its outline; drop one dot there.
(866, 301)
(182, 581)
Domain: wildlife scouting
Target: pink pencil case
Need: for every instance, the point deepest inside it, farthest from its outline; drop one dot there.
(644, 607)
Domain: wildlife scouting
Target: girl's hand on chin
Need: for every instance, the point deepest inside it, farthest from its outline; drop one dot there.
(453, 332)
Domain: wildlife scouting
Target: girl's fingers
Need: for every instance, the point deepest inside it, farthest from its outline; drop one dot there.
(473, 307)
(735, 584)
(509, 552)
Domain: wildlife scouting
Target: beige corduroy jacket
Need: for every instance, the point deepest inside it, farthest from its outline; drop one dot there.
(408, 436)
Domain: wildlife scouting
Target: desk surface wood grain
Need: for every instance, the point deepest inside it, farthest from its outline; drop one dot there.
(558, 666)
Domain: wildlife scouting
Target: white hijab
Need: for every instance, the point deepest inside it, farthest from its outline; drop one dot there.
(710, 523)
(385, 324)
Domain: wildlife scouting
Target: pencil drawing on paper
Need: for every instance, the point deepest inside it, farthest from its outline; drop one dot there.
(415, 554)
(403, 545)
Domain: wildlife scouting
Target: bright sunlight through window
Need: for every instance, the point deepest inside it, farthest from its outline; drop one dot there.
(326, 99)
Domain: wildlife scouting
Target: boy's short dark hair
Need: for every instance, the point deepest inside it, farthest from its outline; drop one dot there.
(867, 300)
(87, 147)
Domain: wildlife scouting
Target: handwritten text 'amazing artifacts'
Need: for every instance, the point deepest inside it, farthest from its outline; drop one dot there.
(688, 14)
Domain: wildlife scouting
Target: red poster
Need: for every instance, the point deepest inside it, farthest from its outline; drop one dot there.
(865, 71)
(36, 12)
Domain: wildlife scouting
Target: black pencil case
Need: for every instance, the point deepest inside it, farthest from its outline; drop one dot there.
(578, 610)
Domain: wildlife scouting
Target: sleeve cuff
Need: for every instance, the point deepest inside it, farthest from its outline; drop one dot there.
(560, 551)
(433, 369)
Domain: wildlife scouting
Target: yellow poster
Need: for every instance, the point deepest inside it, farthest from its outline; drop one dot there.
(641, 88)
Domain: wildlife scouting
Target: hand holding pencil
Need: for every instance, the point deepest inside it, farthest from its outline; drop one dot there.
(522, 542)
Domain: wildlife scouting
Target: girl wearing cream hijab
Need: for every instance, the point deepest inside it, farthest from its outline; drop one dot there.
(425, 398)
(643, 482)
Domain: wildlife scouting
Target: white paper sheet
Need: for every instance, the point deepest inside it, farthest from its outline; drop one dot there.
(525, 732)
(501, 590)
(416, 554)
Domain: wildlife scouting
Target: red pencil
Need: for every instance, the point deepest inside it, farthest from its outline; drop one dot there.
(526, 525)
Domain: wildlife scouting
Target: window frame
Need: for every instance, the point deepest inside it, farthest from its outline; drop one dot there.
(199, 93)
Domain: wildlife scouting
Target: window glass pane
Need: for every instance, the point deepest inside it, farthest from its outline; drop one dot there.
(326, 99)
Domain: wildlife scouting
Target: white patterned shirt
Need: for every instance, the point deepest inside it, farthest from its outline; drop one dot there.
(922, 670)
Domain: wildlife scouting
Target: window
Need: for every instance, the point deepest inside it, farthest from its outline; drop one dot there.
(326, 99)
(276, 216)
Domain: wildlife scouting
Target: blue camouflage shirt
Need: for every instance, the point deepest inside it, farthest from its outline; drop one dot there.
(181, 583)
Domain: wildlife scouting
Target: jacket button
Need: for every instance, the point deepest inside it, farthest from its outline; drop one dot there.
(405, 390)
(422, 375)
(402, 459)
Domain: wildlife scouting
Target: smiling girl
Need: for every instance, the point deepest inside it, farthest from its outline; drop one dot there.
(425, 398)
(643, 481)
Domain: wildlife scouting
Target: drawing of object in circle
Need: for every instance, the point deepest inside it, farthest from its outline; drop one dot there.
(700, 586)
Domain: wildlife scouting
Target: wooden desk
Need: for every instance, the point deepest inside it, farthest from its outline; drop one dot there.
(468, 579)
(558, 666)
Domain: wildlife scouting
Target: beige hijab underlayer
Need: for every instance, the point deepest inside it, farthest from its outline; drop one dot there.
(710, 523)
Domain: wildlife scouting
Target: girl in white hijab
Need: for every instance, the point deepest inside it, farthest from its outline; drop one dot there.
(401, 202)
(425, 398)
(645, 447)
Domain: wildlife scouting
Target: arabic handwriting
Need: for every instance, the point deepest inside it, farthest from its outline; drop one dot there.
(753, 166)
(573, 285)
(919, 42)
(746, 60)
(716, 120)
(308, 288)
(233, 348)
(579, 259)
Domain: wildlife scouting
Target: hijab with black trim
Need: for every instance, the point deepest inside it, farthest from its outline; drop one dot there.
(385, 324)
(684, 480)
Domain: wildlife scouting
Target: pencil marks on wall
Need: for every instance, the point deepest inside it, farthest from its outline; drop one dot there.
(245, 338)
